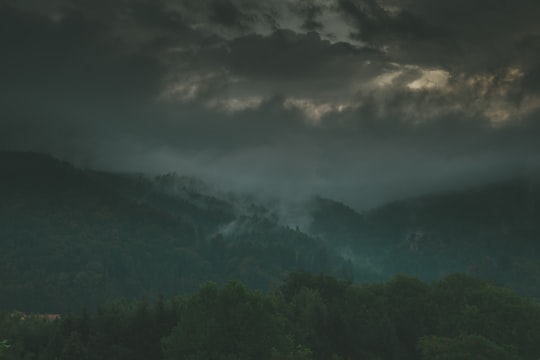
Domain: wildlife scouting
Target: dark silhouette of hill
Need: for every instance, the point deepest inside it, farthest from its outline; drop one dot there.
(492, 231)
(71, 237)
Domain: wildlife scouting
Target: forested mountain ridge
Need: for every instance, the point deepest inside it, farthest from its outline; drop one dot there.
(72, 237)
(492, 231)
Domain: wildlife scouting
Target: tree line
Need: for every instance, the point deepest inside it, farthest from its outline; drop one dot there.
(306, 317)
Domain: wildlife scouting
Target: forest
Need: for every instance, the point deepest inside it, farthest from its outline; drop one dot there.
(73, 237)
(306, 317)
(100, 265)
(273, 180)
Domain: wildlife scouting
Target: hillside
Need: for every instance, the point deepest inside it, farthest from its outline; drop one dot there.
(492, 231)
(72, 237)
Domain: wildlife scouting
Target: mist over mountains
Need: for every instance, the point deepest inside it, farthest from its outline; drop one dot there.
(74, 237)
(356, 100)
(279, 180)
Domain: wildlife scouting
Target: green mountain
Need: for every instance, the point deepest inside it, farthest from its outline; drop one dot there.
(492, 231)
(71, 237)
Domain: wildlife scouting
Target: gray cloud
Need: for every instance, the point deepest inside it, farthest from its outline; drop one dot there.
(361, 100)
(480, 35)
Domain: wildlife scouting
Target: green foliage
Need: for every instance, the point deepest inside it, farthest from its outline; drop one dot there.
(300, 353)
(71, 238)
(308, 317)
(4, 346)
(227, 323)
(465, 347)
(74, 349)
(79, 237)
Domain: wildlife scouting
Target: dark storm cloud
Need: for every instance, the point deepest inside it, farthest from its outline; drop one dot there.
(311, 14)
(285, 53)
(72, 50)
(476, 35)
(64, 80)
(363, 100)
(226, 13)
(376, 24)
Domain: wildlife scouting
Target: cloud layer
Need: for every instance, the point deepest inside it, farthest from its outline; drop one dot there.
(362, 100)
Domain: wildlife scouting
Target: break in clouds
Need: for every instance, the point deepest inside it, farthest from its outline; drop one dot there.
(361, 100)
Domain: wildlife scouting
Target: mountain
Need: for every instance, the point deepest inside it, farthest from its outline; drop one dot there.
(492, 231)
(72, 237)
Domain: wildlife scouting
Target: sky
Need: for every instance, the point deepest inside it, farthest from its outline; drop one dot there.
(363, 101)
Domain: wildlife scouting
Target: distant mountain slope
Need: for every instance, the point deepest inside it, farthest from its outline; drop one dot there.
(493, 231)
(71, 237)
